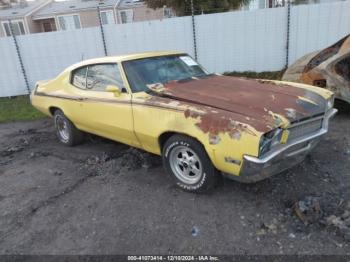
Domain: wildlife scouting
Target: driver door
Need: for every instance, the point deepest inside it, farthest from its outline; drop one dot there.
(105, 113)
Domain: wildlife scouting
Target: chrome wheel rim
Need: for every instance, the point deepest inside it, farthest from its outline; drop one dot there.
(62, 128)
(186, 165)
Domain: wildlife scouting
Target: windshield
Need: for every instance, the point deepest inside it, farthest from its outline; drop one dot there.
(163, 69)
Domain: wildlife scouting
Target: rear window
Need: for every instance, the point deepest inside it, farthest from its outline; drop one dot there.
(343, 68)
(324, 55)
(79, 78)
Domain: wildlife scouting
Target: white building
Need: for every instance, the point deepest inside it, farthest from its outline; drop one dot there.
(259, 4)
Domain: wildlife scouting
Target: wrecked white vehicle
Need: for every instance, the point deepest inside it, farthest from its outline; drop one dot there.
(329, 68)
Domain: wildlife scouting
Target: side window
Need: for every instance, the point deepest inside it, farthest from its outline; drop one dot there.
(342, 68)
(102, 75)
(79, 78)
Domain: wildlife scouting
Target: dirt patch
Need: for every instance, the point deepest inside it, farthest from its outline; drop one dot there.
(106, 198)
(120, 162)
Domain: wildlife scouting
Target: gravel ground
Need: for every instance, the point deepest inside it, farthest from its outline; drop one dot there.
(105, 198)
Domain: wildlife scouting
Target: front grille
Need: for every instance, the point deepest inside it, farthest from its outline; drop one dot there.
(303, 129)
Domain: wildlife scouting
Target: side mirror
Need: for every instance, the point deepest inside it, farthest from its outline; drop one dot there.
(114, 89)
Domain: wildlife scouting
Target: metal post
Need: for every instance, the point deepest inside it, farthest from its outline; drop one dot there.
(288, 33)
(19, 57)
(102, 32)
(194, 32)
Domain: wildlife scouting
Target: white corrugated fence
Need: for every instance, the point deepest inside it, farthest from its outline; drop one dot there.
(233, 41)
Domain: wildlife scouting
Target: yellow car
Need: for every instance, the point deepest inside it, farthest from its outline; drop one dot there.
(202, 124)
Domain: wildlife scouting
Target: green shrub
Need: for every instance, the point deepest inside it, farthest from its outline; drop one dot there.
(275, 75)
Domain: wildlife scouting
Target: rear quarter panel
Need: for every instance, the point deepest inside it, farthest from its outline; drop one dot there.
(56, 93)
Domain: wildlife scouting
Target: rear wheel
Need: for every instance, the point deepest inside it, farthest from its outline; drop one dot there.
(66, 132)
(188, 163)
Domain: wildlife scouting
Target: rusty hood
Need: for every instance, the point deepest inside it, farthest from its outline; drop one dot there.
(261, 104)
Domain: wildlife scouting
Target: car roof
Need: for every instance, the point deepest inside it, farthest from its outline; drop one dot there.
(121, 58)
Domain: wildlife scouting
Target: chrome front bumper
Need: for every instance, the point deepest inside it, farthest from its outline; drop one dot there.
(286, 156)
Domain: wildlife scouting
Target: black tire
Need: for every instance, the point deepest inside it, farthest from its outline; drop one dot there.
(72, 136)
(204, 175)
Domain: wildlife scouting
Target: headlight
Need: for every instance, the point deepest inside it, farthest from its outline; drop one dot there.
(270, 140)
(330, 103)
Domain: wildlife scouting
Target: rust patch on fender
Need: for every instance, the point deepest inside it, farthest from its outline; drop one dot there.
(215, 123)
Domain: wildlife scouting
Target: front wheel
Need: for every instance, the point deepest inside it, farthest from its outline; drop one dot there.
(188, 163)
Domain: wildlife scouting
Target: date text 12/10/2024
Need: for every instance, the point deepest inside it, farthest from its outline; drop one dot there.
(173, 258)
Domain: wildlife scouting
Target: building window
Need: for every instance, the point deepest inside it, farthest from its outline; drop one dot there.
(69, 22)
(47, 26)
(167, 12)
(126, 16)
(17, 27)
(107, 17)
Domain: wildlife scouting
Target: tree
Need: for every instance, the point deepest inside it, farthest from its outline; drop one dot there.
(183, 7)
